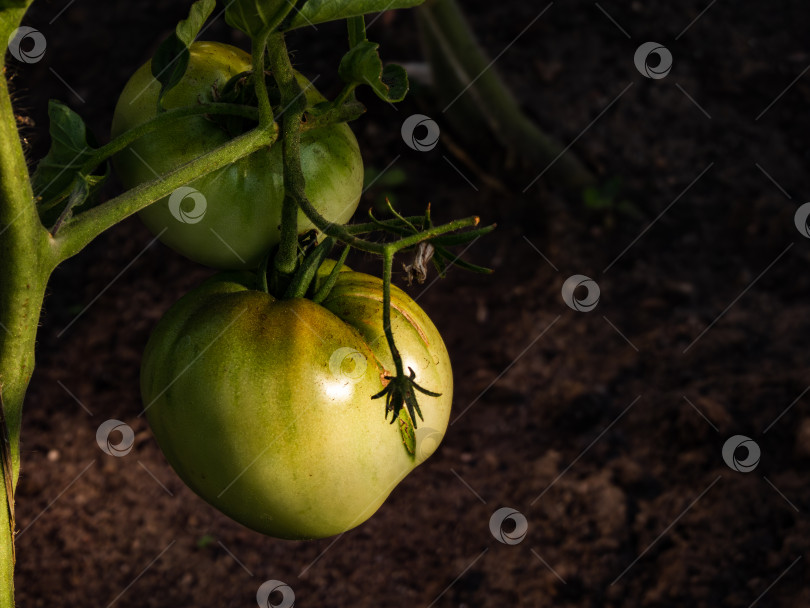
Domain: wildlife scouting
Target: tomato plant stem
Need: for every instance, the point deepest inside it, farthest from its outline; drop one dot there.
(160, 121)
(473, 93)
(294, 177)
(257, 61)
(357, 30)
(293, 102)
(388, 262)
(79, 231)
(25, 264)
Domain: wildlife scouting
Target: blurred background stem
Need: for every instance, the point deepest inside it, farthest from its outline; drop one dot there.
(478, 104)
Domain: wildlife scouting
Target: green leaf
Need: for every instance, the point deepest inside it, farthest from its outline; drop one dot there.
(56, 175)
(462, 238)
(255, 17)
(446, 259)
(172, 56)
(320, 11)
(362, 65)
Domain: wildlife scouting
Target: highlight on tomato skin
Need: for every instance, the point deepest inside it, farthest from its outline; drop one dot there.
(230, 218)
(263, 406)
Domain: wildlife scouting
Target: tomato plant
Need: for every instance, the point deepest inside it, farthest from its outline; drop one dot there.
(273, 422)
(237, 219)
(273, 159)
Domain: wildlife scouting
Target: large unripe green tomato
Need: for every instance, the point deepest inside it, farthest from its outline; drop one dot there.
(237, 219)
(263, 407)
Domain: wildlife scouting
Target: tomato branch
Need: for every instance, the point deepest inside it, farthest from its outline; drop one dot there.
(293, 103)
(345, 112)
(160, 121)
(79, 231)
(23, 274)
(258, 52)
(401, 389)
(294, 182)
(388, 262)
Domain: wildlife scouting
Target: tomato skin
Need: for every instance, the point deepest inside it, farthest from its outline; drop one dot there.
(264, 409)
(242, 213)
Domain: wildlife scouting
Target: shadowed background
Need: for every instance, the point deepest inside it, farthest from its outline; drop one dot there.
(603, 429)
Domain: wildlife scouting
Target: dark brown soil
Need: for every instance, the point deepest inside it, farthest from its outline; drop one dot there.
(604, 429)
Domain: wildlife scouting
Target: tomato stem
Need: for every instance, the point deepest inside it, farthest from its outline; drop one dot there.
(294, 103)
(357, 30)
(401, 389)
(258, 52)
(388, 262)
(79, 231)
(25, 265)
(158, 122)
(325, 289)
(294, 182)
(458, 63)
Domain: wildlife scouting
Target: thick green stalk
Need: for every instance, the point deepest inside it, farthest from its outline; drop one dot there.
(294, 183)
(477, 101)
(25, 263)
(388, 261)
(158, 122)
(257, 63)
(161, 120)
(77, 232)
(294, 103)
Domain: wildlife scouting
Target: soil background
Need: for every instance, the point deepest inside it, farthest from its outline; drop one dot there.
(603, 429)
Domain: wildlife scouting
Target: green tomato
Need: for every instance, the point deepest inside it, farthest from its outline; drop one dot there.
(263, 407)
(229, 218)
